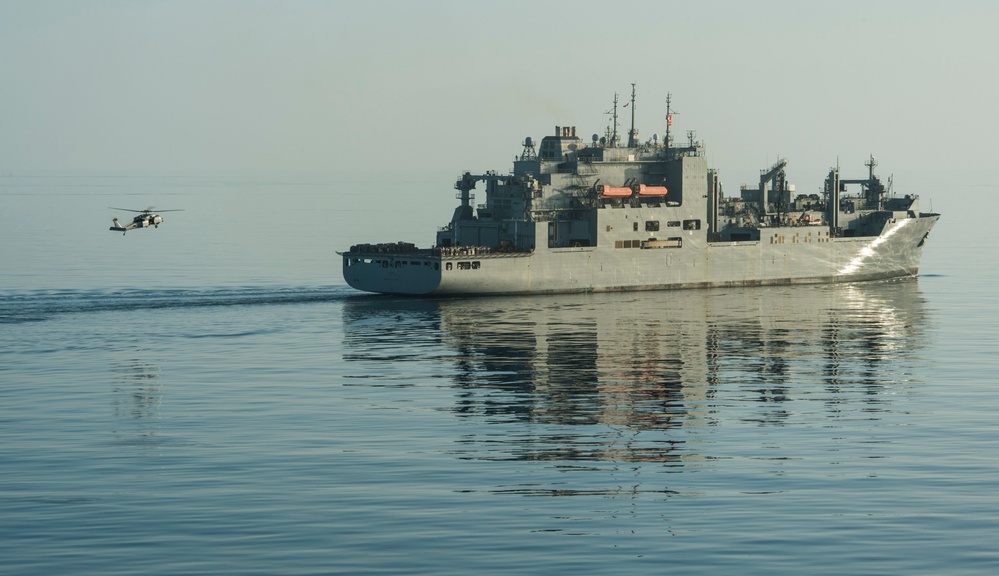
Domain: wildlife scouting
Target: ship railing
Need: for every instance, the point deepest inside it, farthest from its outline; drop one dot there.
(488, 251)
(566, 169)
(408, 250)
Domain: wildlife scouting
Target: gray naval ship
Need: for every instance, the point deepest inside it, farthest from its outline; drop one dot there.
(608, 216)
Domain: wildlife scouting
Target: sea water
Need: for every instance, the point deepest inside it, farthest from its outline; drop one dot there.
(209, 397)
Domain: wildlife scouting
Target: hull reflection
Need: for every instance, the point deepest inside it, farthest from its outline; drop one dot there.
(632, 377)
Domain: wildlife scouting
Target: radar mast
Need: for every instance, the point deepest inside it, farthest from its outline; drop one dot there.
(612, 143)
(632, 134)
(668, 140)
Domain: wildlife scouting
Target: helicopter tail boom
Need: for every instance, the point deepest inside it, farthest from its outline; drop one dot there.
(118, 227)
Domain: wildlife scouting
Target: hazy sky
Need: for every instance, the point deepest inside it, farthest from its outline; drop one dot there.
(454, 85)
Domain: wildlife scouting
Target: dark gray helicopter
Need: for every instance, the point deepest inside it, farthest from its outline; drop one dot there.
(145, 219)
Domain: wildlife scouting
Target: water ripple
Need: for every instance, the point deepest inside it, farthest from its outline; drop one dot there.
(38, 306)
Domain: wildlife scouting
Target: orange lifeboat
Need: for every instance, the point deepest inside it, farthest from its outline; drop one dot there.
(644, 190)
(613, 191)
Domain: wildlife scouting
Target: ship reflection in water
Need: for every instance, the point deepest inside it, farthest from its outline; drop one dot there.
(587, 380)
(137, 397)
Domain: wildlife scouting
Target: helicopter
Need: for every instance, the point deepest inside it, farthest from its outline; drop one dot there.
(145, 219)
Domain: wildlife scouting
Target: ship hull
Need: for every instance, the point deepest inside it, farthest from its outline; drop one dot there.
(790, 255)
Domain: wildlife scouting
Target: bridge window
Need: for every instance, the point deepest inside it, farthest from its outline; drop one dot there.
(691, 224)
(651, 225)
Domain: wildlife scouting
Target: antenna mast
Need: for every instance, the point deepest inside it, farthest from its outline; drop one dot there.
(613, 141)
(632, 134)
(668, 141)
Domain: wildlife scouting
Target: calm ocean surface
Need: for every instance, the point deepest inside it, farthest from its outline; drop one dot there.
(210, 398)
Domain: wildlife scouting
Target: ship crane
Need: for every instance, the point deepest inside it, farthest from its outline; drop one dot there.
(466, 184)
(776, 175)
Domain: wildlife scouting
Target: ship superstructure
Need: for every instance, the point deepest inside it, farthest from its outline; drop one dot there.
(578, 216)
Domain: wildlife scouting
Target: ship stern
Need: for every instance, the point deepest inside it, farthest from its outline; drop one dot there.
(392, 273)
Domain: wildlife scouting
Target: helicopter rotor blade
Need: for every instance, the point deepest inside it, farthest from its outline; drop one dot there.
(146, 211)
